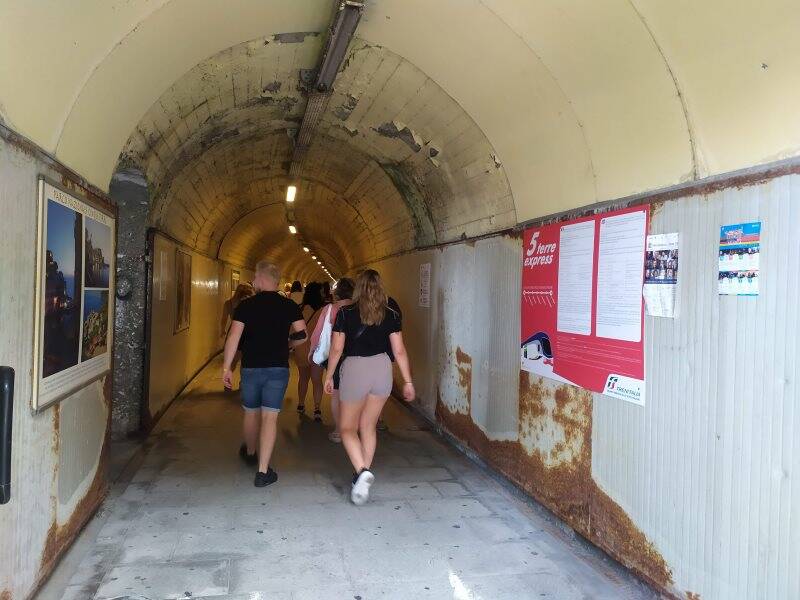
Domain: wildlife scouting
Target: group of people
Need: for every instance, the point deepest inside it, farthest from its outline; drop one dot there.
(356, 335)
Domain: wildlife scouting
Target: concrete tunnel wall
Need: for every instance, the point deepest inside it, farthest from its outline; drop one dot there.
(694, 490)
(59, 455)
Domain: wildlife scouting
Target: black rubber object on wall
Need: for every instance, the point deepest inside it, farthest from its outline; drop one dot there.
(6, 418)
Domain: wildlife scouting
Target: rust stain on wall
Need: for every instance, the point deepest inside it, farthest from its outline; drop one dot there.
(560, 477)
(59, 538)
(464, 362)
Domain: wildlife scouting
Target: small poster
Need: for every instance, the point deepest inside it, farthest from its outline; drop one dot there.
(739, 247)
(235, 278)
(661, 275)
(75, 266)
(425, 285)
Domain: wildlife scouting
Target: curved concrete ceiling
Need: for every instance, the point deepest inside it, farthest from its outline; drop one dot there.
(580, 102)
(394, 164)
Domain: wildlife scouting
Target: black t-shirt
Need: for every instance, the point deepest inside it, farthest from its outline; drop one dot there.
(267, 319)
(366, 340)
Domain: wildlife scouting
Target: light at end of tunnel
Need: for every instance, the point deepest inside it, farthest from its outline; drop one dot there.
(291, 192)
(292, 229)
(305, 249)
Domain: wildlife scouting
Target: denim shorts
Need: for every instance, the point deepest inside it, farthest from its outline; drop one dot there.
(264, 388)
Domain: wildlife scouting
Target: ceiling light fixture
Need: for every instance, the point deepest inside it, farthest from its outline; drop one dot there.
(305, 249)
(341, 32)
(292, 229)
(291, 192)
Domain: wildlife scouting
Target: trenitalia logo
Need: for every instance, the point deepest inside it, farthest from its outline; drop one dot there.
(539, 254)
(625, 388)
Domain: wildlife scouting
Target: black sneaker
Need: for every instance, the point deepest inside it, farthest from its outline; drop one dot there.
(265, 479)
(318, 416)
(301, 408)
(249, 459)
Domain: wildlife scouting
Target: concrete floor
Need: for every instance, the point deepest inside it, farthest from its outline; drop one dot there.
(185, 521)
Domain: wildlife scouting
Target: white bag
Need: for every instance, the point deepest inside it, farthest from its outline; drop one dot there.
(323, 348)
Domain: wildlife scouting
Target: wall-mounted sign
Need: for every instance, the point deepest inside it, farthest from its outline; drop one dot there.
(74, 276)
(582, 309)
(661, 275)
(739, 250)
(425, 285)
(235, 278)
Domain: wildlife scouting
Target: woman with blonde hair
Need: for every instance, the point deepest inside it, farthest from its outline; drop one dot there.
(365, 333)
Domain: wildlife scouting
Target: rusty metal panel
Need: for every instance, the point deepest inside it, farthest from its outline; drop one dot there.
(706, 467)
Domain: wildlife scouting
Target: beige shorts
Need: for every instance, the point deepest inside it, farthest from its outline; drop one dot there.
(362, 375)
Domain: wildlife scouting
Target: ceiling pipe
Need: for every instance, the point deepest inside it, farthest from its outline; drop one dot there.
(340, 34)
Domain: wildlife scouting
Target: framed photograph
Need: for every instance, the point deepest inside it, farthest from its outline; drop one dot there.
(74, 307)
(183, 289)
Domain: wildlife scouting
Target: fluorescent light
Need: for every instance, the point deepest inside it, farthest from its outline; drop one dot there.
(313, 257)
(291, 192)
(292, 229)
(305, 249)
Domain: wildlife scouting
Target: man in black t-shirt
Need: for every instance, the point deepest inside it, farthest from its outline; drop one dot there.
(261, 328)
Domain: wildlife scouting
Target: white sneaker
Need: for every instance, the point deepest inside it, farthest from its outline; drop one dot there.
(360, 492)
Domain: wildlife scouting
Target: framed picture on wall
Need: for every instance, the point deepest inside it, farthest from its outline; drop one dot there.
(183, 289)
(74, 304)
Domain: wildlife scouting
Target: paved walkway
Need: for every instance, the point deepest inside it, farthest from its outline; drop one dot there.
(190, 524)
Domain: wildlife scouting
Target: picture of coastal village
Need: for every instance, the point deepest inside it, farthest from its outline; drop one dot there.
(95, 324)
(97, 245)
(62, 289)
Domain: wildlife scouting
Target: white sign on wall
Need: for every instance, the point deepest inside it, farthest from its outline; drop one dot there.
(425, 285)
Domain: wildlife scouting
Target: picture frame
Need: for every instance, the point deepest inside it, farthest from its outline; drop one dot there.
(183, 290)
(74, 299)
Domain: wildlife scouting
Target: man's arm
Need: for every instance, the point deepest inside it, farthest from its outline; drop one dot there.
(231, 346)
(298, 333)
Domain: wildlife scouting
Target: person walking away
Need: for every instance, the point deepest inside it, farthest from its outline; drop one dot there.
(261, 330)
(311, 309)
(243, 290)
(342, 296)
(296, 292)
(365, 333)
(327, 296)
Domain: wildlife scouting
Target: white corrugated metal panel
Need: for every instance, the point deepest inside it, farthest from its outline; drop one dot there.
(495, 373)
(708, 468)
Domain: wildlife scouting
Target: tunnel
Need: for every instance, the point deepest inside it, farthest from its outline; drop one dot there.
(587, 213)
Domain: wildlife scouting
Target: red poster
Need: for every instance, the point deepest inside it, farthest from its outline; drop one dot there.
(582, 306)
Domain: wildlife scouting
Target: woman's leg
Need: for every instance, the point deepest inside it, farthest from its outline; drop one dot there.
(316, 380)
(335, 409)
(366, 427)
(349, 418)
(303, 374)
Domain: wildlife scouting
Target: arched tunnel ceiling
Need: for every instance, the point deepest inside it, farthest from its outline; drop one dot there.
(395, 162)
(581, 101)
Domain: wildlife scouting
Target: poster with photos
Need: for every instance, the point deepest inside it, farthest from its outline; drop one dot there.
(183, 287)
(74, 278)
(739, 251)
(661, 275)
